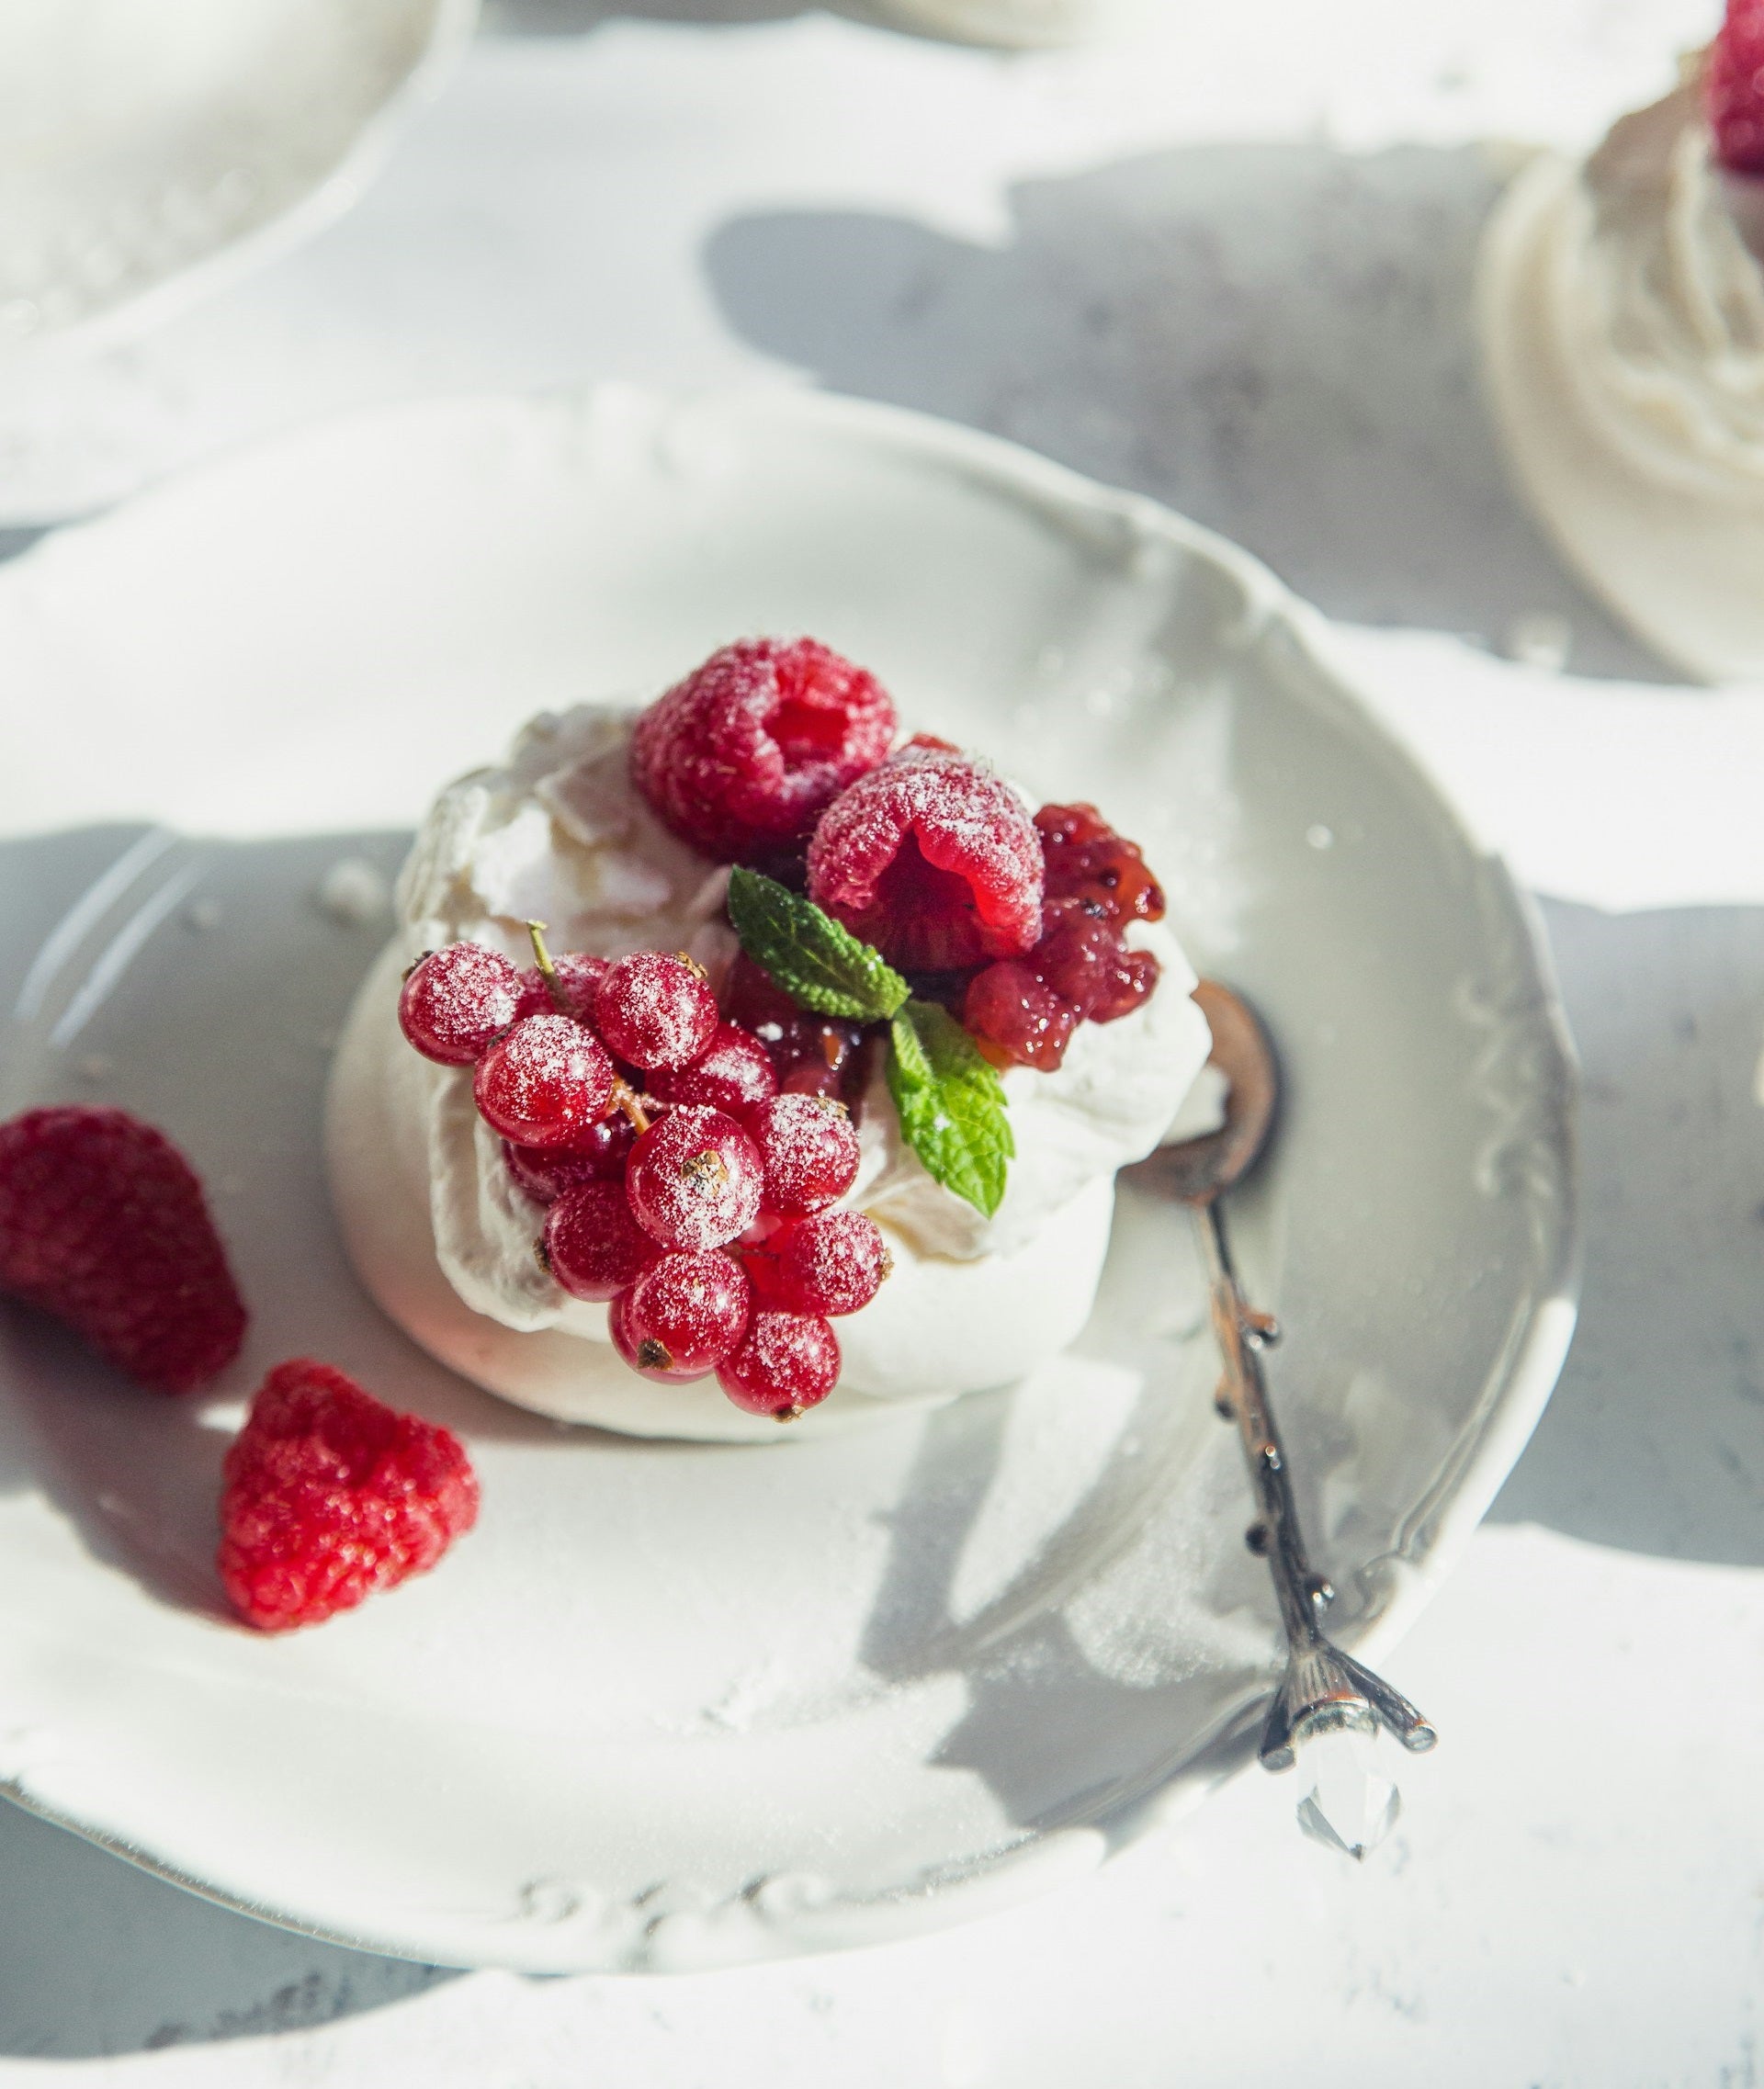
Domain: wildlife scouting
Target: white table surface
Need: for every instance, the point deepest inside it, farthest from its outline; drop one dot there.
(1228, 268)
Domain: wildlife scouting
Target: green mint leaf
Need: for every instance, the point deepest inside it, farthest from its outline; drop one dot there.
(951, 1105)
(806, 953)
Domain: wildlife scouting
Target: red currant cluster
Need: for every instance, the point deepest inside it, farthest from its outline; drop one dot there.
(689, 1187)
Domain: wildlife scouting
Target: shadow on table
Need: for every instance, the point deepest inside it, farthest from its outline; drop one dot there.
(1655, 1439)
(100, 1958)
(1275, 339)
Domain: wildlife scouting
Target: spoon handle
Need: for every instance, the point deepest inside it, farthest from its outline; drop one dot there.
(1323, 1688)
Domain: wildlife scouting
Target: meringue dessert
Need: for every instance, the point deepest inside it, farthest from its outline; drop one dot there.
(732, 1061)
(1621, 311)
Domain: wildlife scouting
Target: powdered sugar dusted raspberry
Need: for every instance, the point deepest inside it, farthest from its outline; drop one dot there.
(695, 1179)
(741, 757)
(456, 1001)
(655, 1010)
(593, 1246)
(808, 1146)
(786, 1362)
(103, 1225)
(1732, 88)
(330, 1495)
(544, 1082)
(682, 1316)
(831, 1263)
(933, 859)
(734, 1074)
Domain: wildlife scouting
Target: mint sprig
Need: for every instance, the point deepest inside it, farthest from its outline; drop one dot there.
(951, 1104)
(817, 963)
(949, 1101)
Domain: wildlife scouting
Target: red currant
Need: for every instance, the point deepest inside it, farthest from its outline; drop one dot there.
(544, 1082)
(784, 1363)
(546, 1172)
(733, 1074)
(831, 1263)
(656, 1011)
(455, 1002)
(592, 1244)
(682, 1316)
(695, 1179)
(1006, 1007)
(1083, 959)
(579, 972)
(808, 1147)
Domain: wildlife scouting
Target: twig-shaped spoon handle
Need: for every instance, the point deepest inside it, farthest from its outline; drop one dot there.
(1323, 1688)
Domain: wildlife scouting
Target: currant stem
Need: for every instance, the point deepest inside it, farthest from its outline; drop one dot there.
(547, 971)
(625, 1099)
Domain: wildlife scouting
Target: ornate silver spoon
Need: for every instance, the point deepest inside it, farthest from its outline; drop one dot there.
(1324, 1691)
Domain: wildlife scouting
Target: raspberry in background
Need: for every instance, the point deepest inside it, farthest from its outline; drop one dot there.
(330, 1495)
(1732, 88)
(741, 757)
(933, 858)
(103, 1223)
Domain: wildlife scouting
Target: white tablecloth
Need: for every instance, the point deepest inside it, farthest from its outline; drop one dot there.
(1228, 268)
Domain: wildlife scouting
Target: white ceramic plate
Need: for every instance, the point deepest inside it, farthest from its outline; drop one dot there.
(670, 1705)
(149, 147)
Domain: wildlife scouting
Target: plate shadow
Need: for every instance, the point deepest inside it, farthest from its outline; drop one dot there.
(1274, 338)
(1654, 1439)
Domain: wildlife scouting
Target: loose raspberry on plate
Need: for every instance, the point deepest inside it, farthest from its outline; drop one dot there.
(741, 757)
(933, 859)
(330, 1495)
(1732, 88)
(103, 1225)
(784, 1363)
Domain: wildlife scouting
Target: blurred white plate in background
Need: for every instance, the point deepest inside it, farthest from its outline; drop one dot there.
(148, 148)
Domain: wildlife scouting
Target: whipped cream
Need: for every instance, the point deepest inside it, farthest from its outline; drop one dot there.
(443, 1237)
(1622, 315)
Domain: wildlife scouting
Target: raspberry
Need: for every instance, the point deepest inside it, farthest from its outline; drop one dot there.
(593, 1246)
(579, 972)
(694, 1178)
(656, 1011)
(103, 1225)
(455, 1002)
(1006, 1007)
(329, 1494)
(808, 1149)
(932, 858)
(1732, 88)
(741, 757)
(682, 1316)
(831, 1263)
(733, 1074)
(1085, 961)
(784, 1363)
(544, 1082)
(1086, 859)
